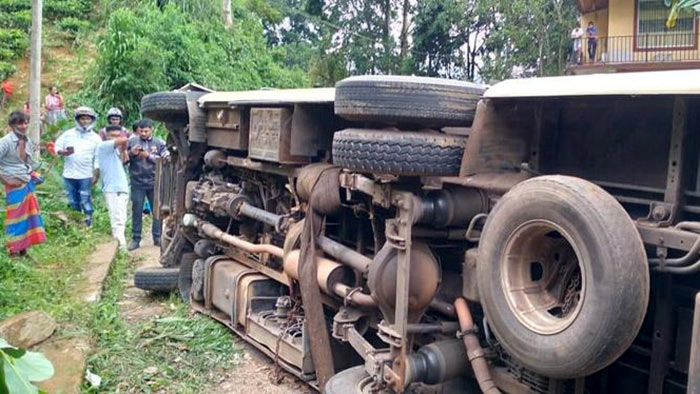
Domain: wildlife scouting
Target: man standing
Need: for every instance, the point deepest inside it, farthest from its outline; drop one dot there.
(23, 223)
(144, 149)
(592, 34)
(77, 145)
(110, 157)
(576, 35)
(114, 117)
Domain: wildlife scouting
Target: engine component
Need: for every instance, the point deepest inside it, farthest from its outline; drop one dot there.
(344, 254)
(261, 215)
(215, 159)
(204, 248)
(437, 362)
(330, 272)
(189, 220)
(423, 283)
(453, 207)
(322, 181)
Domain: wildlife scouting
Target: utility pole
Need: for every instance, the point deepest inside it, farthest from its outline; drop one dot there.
(228, 18)
(35, 75)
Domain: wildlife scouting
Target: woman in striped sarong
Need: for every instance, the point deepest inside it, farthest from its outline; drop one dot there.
(23, 223)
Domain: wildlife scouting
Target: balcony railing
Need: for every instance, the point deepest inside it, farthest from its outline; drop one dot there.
(643, 48)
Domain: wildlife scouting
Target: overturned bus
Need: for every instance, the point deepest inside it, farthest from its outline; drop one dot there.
(404, 234)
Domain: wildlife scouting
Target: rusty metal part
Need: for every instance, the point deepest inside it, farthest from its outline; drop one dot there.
(344, 254)
(271, 136)
(443, 307)
(425, 277)
(443, 327)
(228, 127)
(214, 232)
(329, 272)
(688, 263)
(475, 353)
(453, 206)
(496, 183)
(380, 192)
(437, 362)
(215, 159)
(543, 278)
(321, 180)
(261, 215)
(354, 296)
(694, 369)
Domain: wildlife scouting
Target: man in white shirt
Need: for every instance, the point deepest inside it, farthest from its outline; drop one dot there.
(77, 146)
(576, 37)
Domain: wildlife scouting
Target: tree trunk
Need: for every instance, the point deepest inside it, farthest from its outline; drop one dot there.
(228, 16)
(404, 29)
(385, 33)
(35, 75)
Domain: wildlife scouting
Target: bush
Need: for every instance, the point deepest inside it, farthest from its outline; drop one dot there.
(9, 6)
(6, 70)
(147, 49)
(13, 43)
(74, 25)
(57, 9)
(21, 20)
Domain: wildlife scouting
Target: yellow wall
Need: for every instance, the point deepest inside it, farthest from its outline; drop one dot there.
(621, 18)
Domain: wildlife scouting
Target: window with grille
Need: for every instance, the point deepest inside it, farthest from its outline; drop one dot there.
(652, 31)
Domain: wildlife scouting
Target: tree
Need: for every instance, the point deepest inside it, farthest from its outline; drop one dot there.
(449, 37)
(677, 6)
(528, 38)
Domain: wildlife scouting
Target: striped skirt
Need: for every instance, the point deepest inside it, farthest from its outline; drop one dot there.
(23, 223)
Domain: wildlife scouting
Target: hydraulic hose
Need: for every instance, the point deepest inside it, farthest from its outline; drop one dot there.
(475, 353)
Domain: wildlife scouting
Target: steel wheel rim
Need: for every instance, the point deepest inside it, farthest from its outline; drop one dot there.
(543, 279)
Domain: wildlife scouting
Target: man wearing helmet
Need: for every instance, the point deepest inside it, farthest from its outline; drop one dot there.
(77, 146)
(114, 117)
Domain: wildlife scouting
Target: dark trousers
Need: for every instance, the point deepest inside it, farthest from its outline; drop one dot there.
(592, 46)
(138, 196)
(79, 194)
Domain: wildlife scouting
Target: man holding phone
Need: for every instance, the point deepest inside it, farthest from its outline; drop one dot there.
(77, 146)
(144, 149)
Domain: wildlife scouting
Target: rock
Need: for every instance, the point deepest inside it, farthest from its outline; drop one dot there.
(68, 357)
(27, 329)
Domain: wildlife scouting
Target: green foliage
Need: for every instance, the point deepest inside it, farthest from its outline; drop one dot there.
(148, 49)
(74, 25)
(19, 368)
(16, 20)
(6, 70)
(13, 43)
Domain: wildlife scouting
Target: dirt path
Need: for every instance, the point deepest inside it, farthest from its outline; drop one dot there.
(254, 373)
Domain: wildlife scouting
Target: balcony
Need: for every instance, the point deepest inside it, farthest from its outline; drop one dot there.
(638, 53)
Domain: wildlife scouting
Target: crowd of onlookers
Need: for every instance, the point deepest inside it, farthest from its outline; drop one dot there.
(88, 155)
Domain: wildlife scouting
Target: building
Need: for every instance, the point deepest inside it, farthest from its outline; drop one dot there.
(632, 36)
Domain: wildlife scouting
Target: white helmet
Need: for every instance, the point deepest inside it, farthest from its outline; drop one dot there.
(114, 111)
(85, 111)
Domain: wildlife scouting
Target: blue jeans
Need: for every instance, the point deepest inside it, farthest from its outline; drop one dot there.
(138, 196)
(79, 195)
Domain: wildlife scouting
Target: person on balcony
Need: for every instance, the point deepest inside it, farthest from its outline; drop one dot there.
(576, 37)
(592, 34)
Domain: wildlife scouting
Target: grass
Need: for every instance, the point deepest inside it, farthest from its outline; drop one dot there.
(176, 353)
